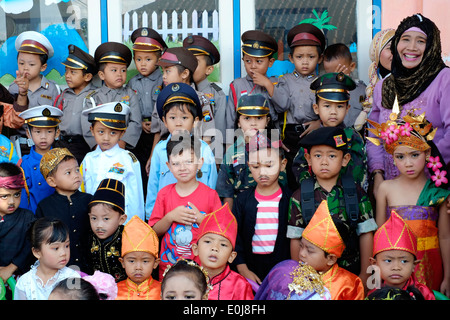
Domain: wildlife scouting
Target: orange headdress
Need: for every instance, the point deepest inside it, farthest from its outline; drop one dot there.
(395, 234)
(411, 131)
(221, 222)
(322, 232)
(139, 236)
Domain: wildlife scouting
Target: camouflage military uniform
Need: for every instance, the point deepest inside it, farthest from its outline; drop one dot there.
(336, 203)
(357, 165)
(234, 174)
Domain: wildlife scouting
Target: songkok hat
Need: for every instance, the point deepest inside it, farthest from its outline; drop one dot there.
(199, 45)
(147, 39)
(322, 232)
(44, 116)
(33, 42)
(112, 115)
(52, 158)
(256, 43)
(110, 191)
(81, 60)
(113, 52)
(221, 222)
(253, 105)
(139, 236)
(334, 87)
(395, 234)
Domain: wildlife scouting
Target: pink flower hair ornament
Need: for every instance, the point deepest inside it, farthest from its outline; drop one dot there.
(439, 178)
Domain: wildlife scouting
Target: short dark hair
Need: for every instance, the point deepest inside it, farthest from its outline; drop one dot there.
(337, 50)
(319, 50)
(48, 230)
(42, 57)
(9, 169)
(191, 108)
(182, 142)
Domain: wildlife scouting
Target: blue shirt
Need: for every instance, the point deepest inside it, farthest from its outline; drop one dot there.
(37, 186)
(160, 175)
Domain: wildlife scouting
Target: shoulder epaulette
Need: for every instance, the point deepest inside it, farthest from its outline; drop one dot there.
(133, 157)
(216, 87)
(90, 94)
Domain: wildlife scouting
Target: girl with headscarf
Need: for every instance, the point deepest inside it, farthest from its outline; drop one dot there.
(381, 56)
(420, 81)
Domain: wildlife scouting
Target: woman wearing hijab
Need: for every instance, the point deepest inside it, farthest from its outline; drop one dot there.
(420, 81)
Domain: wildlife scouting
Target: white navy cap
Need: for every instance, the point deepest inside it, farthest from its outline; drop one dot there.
(34, 42)
(42, 116)
(112, 114)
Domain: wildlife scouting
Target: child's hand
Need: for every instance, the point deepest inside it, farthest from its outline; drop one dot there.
(198, 215)
(183, 215)
(312, 125)
(146, 126)
(22, 82)
(246, 273)
(342, 68)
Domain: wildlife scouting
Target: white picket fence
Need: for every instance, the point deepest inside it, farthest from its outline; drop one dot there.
(173, 30)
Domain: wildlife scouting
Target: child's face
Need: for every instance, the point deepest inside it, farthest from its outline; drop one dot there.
(30, 65)
(305, 59)
(331, 114)
(203, 70)
(265, 166)
(396, 266)
(386, 56)
(53, 255)
(145, 62)
(179, 119)
(251, 124)
(258, 65)
(410, 162)
(214, 252)
(326, 162)
(314, 256)
(172, 74)
(337, 65)
(67, 177)
(139, 265)
(181, 287)
(9, 200)
(43, 138)
(75, 78)
(184, 166)
(114, 75)
(105, 137)
(105, 221)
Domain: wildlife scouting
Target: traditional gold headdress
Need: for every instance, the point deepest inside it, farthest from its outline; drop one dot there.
(305, 278)
(412, 131)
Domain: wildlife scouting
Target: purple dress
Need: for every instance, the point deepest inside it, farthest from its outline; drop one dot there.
(434, 101)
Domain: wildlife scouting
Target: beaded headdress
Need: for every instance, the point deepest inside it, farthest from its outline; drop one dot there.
(306, 279)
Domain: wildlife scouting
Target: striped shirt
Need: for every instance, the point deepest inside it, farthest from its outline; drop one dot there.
(266, 228)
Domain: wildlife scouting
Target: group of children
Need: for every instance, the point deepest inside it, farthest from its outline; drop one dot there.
(285, 215)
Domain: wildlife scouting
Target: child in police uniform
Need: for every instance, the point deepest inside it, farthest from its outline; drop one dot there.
(108, 160)
(62, 172)
(80, 70)
(113, 59)
(207, 57)
(178, 108)
(42, 130)
(147, 49)
(31, 87)
(215, 250)
(179, 65)
(139, 258)
(106, 216)
(292, 96)
(258, 49)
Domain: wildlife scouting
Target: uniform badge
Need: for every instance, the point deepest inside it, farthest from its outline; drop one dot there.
(144, 32)
(46, 97)
(126, 100)
(339, 141)
(206, 116)
(118, 108)
(117, 168)
(256, 45)
(157, 90)
(46, 112)
(175, 88)
(3, 152)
